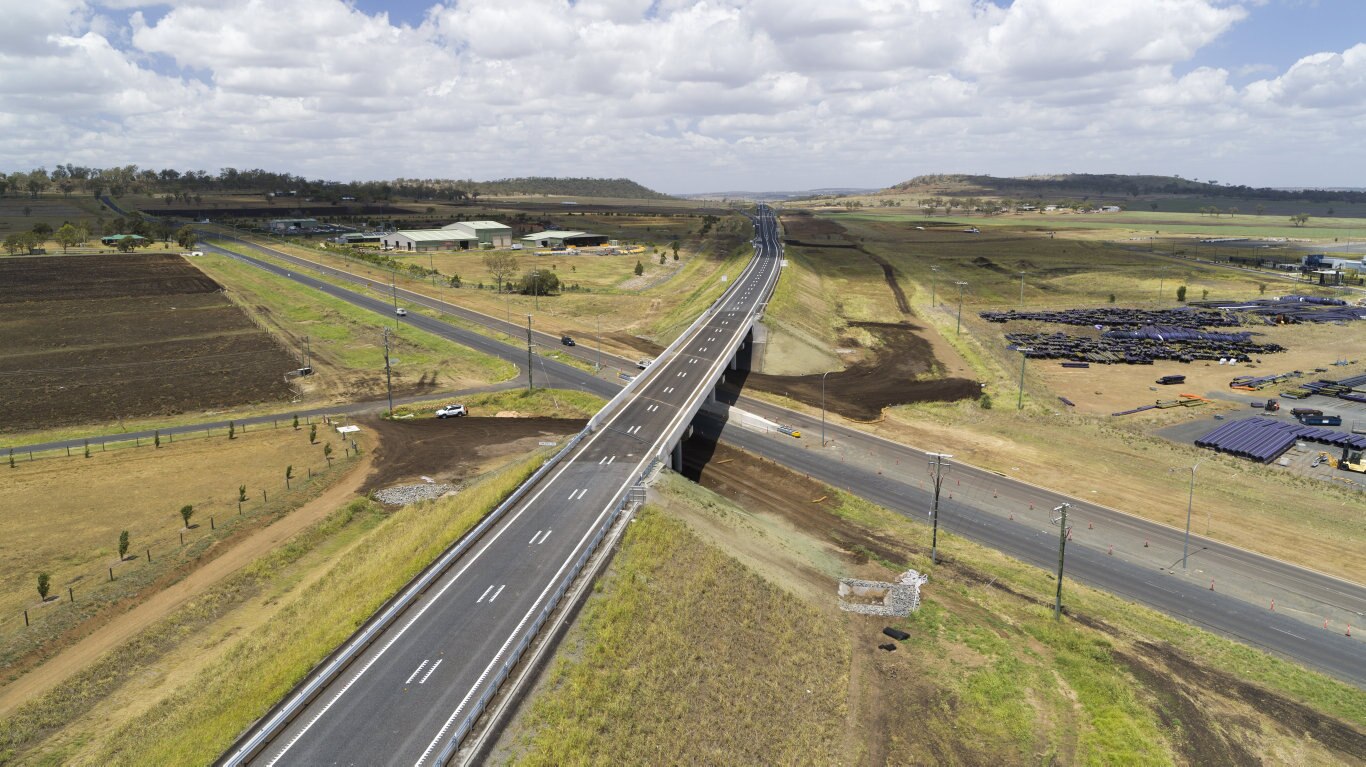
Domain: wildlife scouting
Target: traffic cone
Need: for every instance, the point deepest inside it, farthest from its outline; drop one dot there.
(1211, 584)
(1325, 623)
(1273, 605)
(1090, 526)
(1145, 543)
(1012, 516)
(1111, 552)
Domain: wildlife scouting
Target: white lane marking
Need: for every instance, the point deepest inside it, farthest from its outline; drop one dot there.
(481, 596)
(571, 494)
(496, 593)
(581, 494)
(669, 390)
(1287, 633)
(604, 460)
(692, 361)
(610, 460)
(543, 537)
(416, 671)
(680, 374)
(532, 541)
(529, 503)
(430, 670)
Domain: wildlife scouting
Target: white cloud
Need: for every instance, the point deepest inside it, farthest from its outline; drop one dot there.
(681, 94)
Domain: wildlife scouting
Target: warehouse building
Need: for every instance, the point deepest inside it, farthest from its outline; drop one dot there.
(491, 234)
(414, 240)
(287, 225)
(558, 238)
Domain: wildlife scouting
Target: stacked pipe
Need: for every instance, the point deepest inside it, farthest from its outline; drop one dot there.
(1265, 440)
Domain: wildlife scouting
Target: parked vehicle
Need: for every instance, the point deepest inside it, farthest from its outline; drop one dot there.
(567, 341)
(645, 363)
(451, 411)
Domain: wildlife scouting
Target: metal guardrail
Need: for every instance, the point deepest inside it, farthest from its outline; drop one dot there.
(456, 738)
(331, 667)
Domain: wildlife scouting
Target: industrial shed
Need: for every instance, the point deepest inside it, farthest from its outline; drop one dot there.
(490, 233)
(429, 239)
(558, 238)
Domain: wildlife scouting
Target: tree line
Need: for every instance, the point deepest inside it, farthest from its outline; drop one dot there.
(189, 185)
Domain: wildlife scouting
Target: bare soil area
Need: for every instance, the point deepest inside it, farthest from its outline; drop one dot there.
(454, 449)
(87, 338)
(903, 370)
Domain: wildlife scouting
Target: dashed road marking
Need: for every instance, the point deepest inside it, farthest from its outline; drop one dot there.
(416, 671)
(430, 670)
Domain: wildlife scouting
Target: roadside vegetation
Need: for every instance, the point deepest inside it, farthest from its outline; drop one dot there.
(346, 341)
(736, 608)
(317, 589)
(541, 403)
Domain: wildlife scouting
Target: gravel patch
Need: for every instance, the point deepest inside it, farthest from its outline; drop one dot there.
(402, 495)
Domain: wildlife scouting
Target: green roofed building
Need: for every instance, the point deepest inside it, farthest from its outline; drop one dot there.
(414, 240)
(490, 233)
(559, 238)
(115, 239)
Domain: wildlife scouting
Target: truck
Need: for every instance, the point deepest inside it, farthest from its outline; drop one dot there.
(1321, 420)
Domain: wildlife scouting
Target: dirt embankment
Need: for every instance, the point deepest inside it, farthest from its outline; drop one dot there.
(454, 449)
(900, 373)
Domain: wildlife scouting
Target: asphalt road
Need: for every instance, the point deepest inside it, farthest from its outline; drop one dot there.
(994, 511)
(401, 700)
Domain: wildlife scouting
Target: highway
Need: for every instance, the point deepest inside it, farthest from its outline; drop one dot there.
(1239, 607)
(403, 698)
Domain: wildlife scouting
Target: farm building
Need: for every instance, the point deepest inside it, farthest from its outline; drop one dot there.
(558, 238)
(115, 239)
(282, 225)
(429, 239)
(355, 238)
(490, 233)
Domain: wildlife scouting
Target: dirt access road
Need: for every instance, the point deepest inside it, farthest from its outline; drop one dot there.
(447, 450)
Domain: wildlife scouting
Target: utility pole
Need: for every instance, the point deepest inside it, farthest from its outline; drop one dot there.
(598, 332)
(934, 278)
(528, 354)
(393, 290)
(938, 463)
(1024, 355)
(388, 376)
(1022, 276)
(1060, 519)
(823, 375)
(959, 328)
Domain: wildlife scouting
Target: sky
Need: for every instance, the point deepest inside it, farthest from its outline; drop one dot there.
(691, 95)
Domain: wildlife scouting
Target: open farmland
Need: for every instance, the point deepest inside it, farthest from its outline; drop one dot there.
(91, 338)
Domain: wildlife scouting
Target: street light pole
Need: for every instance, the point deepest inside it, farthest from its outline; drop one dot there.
(938, 464)
(823, 375)
(1024, 355)
(1190, 502)
(958, 330)
(934, 279)
(388, 377)
(528, 354)
(393, 290)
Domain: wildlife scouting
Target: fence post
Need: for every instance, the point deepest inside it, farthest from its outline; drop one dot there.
(68, 451)
(111, 575)
(264, 497)
(182, 539)
(71, 593)
(26, 617)
(149, 555)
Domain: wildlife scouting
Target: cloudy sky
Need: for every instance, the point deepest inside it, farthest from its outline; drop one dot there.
(684, 95)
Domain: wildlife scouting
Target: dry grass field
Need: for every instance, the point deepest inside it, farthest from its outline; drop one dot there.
(65, 515)
(715, 638)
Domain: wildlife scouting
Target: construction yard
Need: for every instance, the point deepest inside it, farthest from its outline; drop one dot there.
(99, 337)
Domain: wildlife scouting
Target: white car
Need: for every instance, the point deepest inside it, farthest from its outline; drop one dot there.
(645, 363)
(401, 312)
(451, 411)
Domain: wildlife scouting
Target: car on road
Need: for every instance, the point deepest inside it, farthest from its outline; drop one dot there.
(451, 411)
(401, 312)
(645, 363)
(567, 341)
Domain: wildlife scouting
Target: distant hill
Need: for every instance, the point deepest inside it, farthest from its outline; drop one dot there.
(567, 187)
(1082, 185)
(777, 196)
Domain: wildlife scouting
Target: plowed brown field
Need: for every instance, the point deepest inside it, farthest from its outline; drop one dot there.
(86, 338)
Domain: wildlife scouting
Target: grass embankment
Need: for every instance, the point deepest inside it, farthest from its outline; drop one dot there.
(195, 719)
(687, 655)
(346, 340)
(684, 656)
(541, 403)
(67, 514)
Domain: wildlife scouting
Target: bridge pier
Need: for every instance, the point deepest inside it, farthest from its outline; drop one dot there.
(676, 456)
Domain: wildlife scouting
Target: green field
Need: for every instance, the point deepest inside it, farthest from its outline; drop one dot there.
(346, 341)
